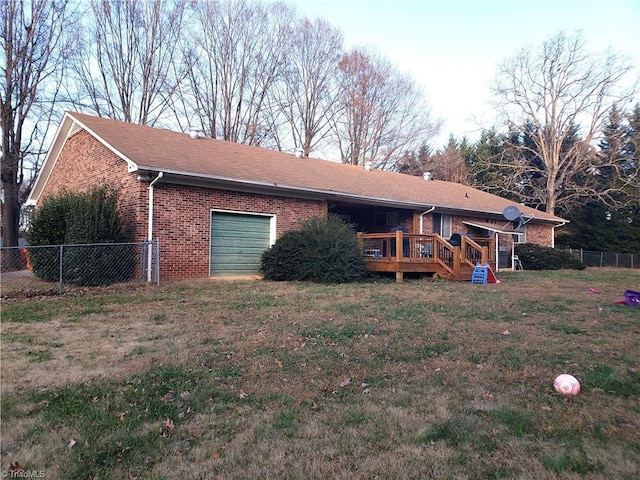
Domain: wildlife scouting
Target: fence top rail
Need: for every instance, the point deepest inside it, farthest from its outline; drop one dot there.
(146, 242)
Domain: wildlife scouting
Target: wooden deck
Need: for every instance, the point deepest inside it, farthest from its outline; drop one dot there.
(419, 253)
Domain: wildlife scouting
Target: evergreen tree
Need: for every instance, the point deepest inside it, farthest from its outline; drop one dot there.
(595, 225)
(632, 140)
(450, 164)
(488, 162)
(414, 163)
(597, 228)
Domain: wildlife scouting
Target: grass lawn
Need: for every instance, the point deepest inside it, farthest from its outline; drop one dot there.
(259, 380)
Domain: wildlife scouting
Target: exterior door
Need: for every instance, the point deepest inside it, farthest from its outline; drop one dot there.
(238, 242)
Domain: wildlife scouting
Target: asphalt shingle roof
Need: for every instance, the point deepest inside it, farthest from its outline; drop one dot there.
(154, 149)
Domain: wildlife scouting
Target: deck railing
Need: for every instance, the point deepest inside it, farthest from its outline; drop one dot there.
(478, 250)
(412, 252)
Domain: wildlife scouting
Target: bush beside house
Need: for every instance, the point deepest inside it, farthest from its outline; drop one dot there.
(322, 250)
(536, 257)
(84, 220)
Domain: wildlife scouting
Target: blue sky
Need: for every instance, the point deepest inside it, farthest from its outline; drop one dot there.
(452, 48)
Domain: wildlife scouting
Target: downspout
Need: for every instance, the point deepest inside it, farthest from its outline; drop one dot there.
(422, 215)
(150, 225)
(553, 233)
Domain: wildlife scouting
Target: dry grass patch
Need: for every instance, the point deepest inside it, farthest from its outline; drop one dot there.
(428, 379)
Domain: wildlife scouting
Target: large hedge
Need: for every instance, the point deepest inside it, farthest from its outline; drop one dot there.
(322, 250)
(536, 257)
(81, 221)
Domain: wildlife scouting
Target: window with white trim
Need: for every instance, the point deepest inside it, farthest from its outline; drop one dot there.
(442, 224)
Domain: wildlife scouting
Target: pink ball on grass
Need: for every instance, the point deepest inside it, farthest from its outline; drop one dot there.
(566, 384)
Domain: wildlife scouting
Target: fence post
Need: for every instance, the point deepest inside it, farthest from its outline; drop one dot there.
(61, 270)
(158, 261)
(143, 263)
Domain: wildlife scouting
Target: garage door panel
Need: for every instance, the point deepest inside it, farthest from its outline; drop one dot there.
(238, 242)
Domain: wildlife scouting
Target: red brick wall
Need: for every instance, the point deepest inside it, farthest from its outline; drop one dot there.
(182, 214)
(539, 234)
(182, 220)
(84, 164)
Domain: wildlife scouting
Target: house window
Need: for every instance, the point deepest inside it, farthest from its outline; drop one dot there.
(520, 237)
(386, 218)
(442, 225)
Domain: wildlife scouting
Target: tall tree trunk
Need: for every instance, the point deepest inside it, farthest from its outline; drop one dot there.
(10, 203)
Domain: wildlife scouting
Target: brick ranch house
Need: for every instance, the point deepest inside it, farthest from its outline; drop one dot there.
(216, 206)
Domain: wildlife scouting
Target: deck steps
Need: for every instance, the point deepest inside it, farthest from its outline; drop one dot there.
(402, 253)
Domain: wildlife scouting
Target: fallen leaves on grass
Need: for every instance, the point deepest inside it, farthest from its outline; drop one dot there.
(168, 427)
(168, 397)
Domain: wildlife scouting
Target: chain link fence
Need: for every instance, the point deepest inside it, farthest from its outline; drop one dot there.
(90, 265)
(606, 259)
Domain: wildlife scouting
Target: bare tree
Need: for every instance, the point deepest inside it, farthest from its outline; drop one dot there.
(552, 96)
(125, 67)
(304, 97)
(449, 164)
(234, 56)
(381, 112)
(34, 41)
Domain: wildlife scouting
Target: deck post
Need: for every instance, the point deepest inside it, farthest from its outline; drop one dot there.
(399, 246)
(456, 262)
(399, 255)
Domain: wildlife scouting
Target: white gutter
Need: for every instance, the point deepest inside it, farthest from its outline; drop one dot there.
(150, 225)
(422, 215)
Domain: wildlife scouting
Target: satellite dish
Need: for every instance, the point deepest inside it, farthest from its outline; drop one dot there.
(511, 213)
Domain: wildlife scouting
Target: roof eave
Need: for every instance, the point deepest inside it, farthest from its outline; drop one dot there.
(229, 183)
(50, 159)
(450, 209)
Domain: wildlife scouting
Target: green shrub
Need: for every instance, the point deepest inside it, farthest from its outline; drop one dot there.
(48, 227)
(322, 250)
(536, 257)
(79, 219)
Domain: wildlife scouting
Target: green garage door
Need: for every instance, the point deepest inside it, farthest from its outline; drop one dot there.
(237, 243)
